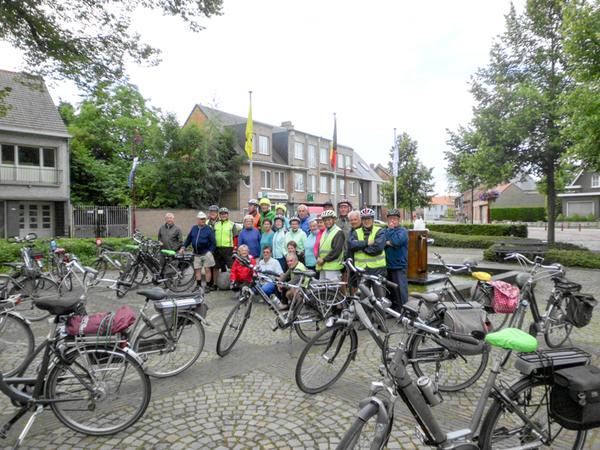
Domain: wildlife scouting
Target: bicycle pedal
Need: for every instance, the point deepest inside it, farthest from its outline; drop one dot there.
(420, 434)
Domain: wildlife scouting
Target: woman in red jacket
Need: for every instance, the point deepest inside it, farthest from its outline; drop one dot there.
(240, 275)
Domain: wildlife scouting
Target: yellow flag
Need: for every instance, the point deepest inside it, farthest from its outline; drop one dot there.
(249, 130)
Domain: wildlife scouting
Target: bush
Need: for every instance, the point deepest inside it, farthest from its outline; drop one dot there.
(529, 214)
(498, 230)
(582, 219)
(568, 255)
(568, 219)
(560, 218)
(591, 218)
(461, 241)
(575, 217)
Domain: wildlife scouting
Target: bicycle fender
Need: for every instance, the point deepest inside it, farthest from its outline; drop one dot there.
(74, 349)
(367, 407)
(18, 316)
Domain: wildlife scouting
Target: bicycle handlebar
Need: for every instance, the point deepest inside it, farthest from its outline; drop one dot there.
(519, 256)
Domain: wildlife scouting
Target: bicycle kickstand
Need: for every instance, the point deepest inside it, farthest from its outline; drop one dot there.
(28, 425)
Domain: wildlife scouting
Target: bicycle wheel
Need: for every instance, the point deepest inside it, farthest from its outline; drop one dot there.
(233, 326)
(66, 282)
(16, 344)
(30, 290)
(107, 390)
(452, 370)
(128, 276)
(101, 266)
(479, 295)
(361, 434)
(182, 277)
(52, 266)
(168, 350)
(307, 321)
(503, 428)
(319, 367)
(556, 328)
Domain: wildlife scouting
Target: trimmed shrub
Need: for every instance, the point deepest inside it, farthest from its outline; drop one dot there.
(575, 217)
(560, 218)
(568, 219)
(559, 253)
(591, 218)
(498, 230)
(529, 214)
(461, 241)
(582, 219)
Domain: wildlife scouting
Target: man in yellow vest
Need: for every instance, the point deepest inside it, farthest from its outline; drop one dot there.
(331, 249)
(367, 243)
(226, 234)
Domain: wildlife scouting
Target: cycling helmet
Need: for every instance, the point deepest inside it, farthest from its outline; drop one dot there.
(253, 202)
(345, 201)
(223, 211)
(393, 212)
(295, 219)
(280, 206)
(319, 217)
(265, 201)
(328, 213)
(213, 208)
(278, 217)
(366, 213)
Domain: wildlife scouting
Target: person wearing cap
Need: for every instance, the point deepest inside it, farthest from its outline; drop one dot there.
(279, 250)
(328, 206)
(265, 210)
(396, 256)
(296, 235)
(331, 249)
(170, 236)
(250, 236)
(343, 221)
(281, 210)
(213, 216)
(253, 206)
(226, 234)
(202, 238)
(304, 218)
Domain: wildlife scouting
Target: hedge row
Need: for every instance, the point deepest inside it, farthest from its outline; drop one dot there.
(570, 258)
(461, 241)
(525, 214)
(497, 230)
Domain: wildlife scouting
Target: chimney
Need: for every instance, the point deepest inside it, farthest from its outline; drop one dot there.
(372, 166)
(287, 124)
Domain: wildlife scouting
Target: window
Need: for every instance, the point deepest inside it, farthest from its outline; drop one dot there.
(323, 185)
(312, 156)
(280, 181)
(352, 188)
(595, 181)
(254, 143)
(342, 188)
(324, 156)
(348, 162)
(265, 179)
(263, 145)
(49, 157)
(364, 166)
(312, 183)
(340, 161)
(299, 182)
(299, 150)
(246, 180)
(8, 154)
(29, 156)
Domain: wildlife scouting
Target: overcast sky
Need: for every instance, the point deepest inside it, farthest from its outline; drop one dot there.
(378, 65)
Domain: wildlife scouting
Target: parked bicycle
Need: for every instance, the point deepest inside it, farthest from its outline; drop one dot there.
(519, 417)
(16, 338)
(109, 259)
(310, 306)
(93, 386)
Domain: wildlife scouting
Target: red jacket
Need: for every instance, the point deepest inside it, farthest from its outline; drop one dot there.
(241, 273)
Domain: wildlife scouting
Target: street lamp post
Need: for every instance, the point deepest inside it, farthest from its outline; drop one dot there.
(134, 142)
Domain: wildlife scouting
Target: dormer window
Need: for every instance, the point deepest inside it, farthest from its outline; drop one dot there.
(596, 181)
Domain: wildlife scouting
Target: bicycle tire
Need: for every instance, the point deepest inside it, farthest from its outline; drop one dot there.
(428, 357)
(52, 266)
(307, 321)
(556, 328)
(40, 288)
(319, 367)
(183, 278)
(167, 354)
(497, 320)
(16, 344)
(117, 397)
(361, 433)
(503, 428)
(101, 266)
(67, 282)
(233, 327)
(128, 276)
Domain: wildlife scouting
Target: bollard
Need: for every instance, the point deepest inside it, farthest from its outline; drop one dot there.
(579, 227)
(546, 226)
(562, 226)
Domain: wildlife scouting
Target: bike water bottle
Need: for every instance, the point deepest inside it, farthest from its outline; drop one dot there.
(276, 302)
(53, 244)
(429, 391)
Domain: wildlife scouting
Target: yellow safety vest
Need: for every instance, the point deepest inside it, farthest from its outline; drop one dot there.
(224, 233)
(325, 249)
(361, 259)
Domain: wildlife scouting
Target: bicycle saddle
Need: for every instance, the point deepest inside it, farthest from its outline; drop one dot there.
(308, 273)
(153, 294)
(58, 251)
(59, 306)
(429, 297)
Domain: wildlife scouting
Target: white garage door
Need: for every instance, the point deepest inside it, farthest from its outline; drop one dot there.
(581, 208)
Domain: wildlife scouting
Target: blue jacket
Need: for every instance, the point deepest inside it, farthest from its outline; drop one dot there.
(251, 238)
(304, 224)
(396, 254)
(202, 239)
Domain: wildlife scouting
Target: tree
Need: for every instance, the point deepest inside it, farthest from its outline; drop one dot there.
(518, 117)
(414, 182)
(581, 29)
(88, 42)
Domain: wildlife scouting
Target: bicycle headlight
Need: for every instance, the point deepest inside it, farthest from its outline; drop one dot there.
(385, 302)
(330, 322)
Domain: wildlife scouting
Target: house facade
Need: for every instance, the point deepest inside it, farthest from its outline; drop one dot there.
(582, 196)
(34, 161)
(293, 167)
(438, 208)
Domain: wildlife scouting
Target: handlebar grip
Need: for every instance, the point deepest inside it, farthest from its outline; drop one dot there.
(463, 338)
(124, 283)
(364, 290)
(391, 285)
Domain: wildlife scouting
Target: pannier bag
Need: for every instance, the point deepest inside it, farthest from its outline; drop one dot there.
(101, 324)
(464, 318)
(506, 297)
(580, 308)
(575, 398)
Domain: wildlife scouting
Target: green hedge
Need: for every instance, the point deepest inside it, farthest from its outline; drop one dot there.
(461, 241)
(569, 258)
(85, 249)
(528, 214)
(497, 230)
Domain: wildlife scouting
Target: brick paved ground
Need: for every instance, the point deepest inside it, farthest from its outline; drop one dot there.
(249, 398)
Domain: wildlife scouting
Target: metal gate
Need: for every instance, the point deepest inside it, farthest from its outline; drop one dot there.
(101, 221)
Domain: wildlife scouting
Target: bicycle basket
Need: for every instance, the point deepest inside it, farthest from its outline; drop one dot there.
(506, 297)
(580, 309)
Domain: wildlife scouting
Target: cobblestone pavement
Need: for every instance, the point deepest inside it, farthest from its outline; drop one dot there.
(249, 399)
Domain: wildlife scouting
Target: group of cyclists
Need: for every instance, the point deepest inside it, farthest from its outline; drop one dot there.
(299, 243)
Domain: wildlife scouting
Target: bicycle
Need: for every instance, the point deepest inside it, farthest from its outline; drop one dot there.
(518, 418)
(93, 385)
(16, 338)
(480, 291)
(30, 287)
(309, 307)
(108, 257)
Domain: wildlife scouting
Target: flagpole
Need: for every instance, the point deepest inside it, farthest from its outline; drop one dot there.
(251, 174)
(335, 167)
(395, 171)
